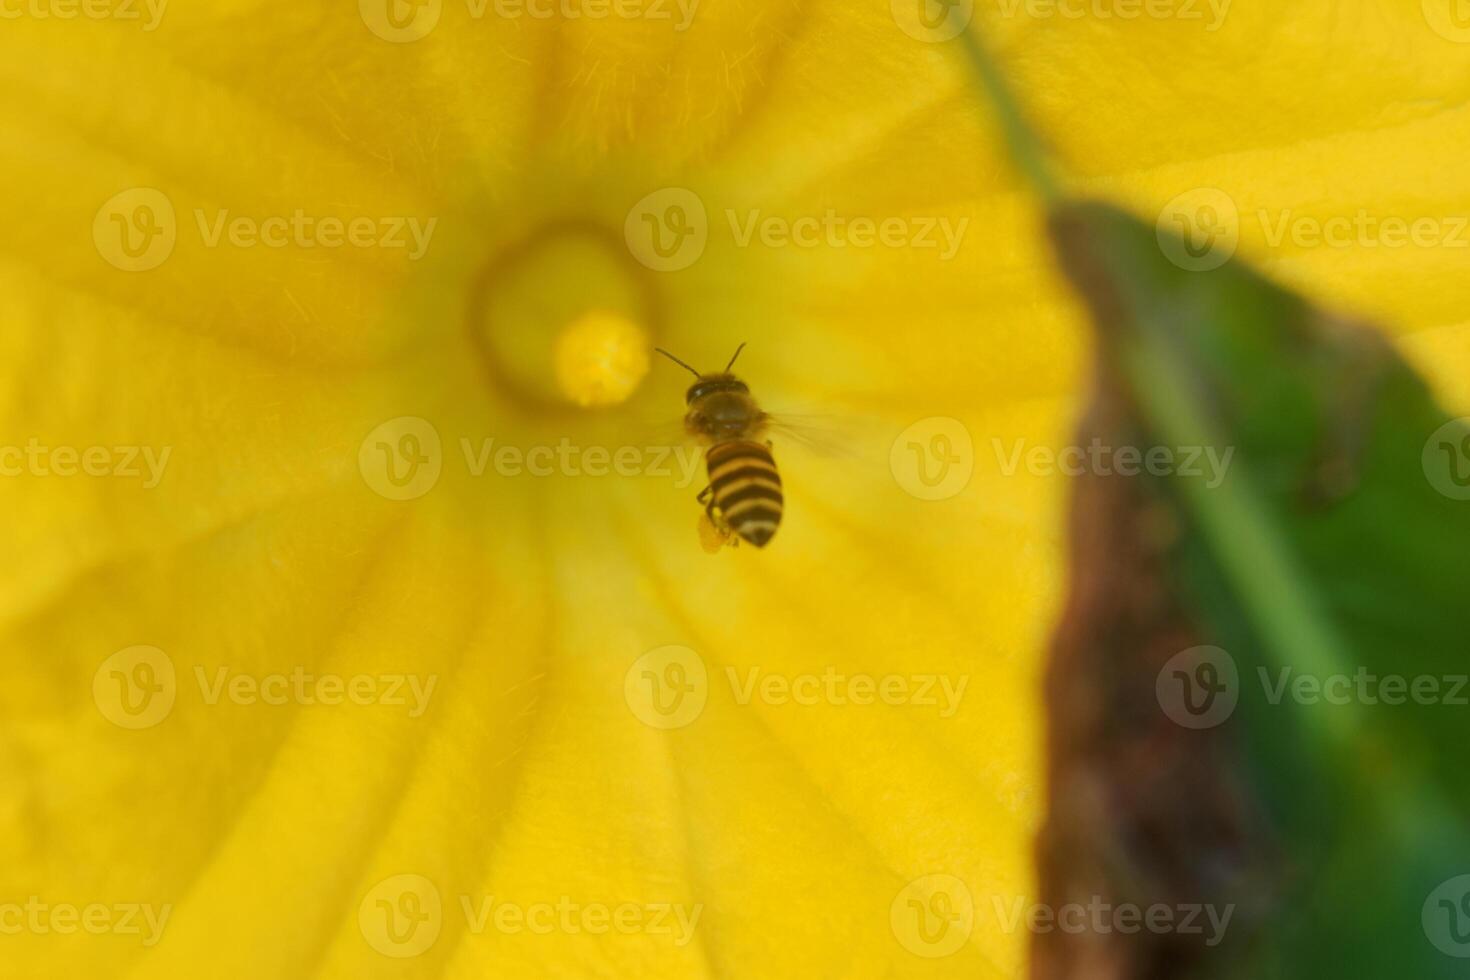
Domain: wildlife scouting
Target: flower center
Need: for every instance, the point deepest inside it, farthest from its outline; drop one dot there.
(564, 318)
(601, 358)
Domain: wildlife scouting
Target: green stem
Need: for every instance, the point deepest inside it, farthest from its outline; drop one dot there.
(1026, 150)
(1269, 582)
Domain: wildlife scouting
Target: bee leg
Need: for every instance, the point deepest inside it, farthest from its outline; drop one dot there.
(731, 538)
(706, 497)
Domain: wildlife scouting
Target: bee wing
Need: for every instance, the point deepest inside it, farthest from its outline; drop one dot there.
(660, 432)
(822, 435)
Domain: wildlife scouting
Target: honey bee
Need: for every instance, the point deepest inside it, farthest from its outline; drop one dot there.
(743, 499)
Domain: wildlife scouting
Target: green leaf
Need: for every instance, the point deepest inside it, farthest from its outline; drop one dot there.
(1327, 552)
(1338, 546)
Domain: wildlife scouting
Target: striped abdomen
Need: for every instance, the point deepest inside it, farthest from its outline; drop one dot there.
(746, 488)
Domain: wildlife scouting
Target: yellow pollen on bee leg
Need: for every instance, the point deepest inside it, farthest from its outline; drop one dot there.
(601, 358)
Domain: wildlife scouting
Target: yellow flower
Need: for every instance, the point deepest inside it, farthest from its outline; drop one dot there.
(328, 653)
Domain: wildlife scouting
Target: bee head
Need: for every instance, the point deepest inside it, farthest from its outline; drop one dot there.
(714, 384)
(720, 406)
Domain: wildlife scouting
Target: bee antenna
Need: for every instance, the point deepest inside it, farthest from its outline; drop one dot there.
(679, 362)
(732, 359)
